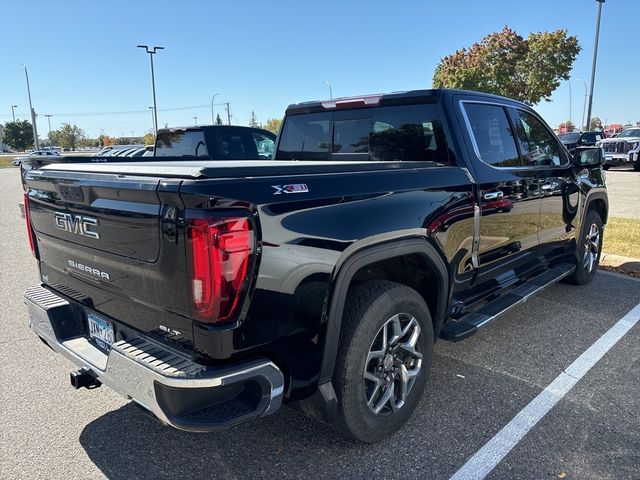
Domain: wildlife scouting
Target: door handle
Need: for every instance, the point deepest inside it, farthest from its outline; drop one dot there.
(493, 195)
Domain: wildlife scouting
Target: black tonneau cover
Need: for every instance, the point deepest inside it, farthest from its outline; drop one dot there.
(235, 168)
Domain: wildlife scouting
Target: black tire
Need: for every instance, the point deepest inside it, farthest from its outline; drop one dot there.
(370, 306)
(636, 166)
(583, 274)
(606, 167)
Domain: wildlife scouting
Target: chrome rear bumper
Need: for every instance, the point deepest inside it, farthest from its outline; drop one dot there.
(181, 393)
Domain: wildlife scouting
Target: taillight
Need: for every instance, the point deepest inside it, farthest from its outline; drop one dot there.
(32, 243)
(220, 250)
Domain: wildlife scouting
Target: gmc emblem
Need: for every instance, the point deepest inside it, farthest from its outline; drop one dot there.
(76, 224)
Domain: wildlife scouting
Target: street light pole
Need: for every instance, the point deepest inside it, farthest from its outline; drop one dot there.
(151, 51)
(13, 114)
(213, 120)
(570, 103)
(49, 120)
(330, 91)
(584, 103)
(195, 120)
(228, 113)
(595, 58)
(33, 113)
(153, 121)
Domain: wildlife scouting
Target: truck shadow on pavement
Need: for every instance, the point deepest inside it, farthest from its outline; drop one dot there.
(127, 443)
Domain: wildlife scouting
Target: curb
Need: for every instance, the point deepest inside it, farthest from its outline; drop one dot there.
(618, 263)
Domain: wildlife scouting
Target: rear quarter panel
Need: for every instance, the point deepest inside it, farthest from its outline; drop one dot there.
(305, 238)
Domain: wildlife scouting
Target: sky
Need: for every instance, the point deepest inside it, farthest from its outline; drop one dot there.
(84, 67)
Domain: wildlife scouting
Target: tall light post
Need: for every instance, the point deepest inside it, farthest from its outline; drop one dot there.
(33, 113)
(153, 121)
(213, 120)
(570, 103)
(13, 113)
(151, 51)
(49, 121)
(584, 103)
(330, 91)
(595, 58)
(195, 120)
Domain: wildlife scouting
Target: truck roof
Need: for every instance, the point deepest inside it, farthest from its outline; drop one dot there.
(393, 98)
(210, 127)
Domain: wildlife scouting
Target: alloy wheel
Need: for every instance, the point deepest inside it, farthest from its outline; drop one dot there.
(392, 365)
(591, 248)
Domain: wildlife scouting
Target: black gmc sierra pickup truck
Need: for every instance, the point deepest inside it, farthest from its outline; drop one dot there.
(210, 293)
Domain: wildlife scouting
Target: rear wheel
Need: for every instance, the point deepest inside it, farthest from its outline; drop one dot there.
(384, 359)
(636, 166)
(606, 167)
(588, 250)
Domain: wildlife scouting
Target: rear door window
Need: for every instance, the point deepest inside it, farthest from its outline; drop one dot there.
(493, 135)
(237, 144)
(264, 145)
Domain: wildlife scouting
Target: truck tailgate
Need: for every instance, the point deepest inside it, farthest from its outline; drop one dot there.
(100, 241)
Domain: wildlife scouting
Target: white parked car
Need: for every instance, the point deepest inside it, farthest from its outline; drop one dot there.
(37, 153)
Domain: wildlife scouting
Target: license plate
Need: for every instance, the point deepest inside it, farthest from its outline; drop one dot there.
(101, 331)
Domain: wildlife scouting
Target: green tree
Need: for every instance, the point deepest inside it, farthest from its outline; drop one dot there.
(218, 119)
(253, 121)
(18, 135)
(568, 125)
(504, 63)
(106, 140)
(272, 124)
(88, 142)
(596, 124)
(67, 136)
(149, 139)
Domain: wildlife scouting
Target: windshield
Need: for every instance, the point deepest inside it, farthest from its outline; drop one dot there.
(569, 137)
(632, 132)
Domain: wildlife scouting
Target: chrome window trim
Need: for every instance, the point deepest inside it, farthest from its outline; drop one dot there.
(467, 122)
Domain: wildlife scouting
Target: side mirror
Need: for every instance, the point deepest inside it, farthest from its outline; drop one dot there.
(588, 157)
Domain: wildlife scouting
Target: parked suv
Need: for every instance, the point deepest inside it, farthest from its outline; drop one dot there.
(210, 293)
(624, 149)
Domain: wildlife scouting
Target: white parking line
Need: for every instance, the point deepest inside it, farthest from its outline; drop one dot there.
(486, 459)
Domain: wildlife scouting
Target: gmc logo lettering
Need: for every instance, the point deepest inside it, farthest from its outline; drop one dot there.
(76, 224)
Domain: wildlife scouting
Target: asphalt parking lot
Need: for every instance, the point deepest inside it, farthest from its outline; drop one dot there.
(477, 387)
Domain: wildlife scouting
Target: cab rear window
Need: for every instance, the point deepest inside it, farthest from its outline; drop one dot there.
(182, 143)
(394, 133)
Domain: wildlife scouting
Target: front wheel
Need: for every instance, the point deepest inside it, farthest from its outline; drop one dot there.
(588, 250)
(636, 166)
(384, 359)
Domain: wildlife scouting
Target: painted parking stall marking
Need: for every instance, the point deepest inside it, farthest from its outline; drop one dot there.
(492, 453)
